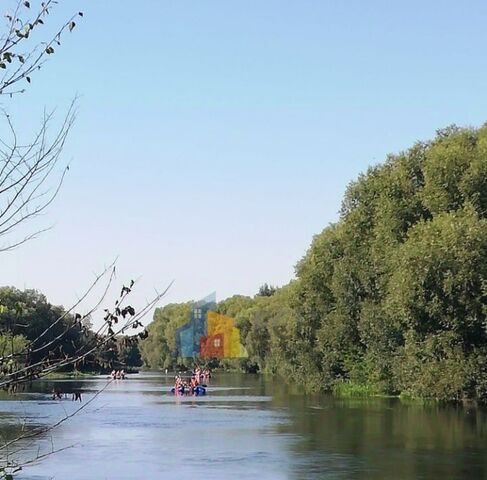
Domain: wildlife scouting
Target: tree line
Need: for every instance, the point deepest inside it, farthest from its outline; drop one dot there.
(390, 299)
(35, 332)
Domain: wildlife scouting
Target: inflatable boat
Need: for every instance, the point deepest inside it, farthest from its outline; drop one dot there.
(197, 391)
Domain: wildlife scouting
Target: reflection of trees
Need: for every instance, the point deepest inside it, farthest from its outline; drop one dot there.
(383, 438)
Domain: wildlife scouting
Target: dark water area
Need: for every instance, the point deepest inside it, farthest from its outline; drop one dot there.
(246, 427)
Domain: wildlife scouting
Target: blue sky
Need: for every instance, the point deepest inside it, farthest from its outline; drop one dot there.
(215, 138)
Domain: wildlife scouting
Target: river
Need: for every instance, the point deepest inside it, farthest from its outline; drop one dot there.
(246, 427)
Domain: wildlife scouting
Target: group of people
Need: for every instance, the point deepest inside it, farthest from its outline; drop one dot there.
(193, 384)
(202, 373)
(118, 374)
(183, 385)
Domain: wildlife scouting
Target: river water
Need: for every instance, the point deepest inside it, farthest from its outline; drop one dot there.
(246, 427)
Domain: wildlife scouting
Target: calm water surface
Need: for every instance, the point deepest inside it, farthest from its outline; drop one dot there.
(247, 427)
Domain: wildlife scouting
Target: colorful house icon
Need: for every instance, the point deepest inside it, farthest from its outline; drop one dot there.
(209, 334)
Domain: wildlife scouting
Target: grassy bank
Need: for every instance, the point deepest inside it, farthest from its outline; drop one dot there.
(355, 390)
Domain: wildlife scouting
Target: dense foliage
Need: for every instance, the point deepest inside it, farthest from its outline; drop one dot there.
(28, 322)
(392, 297)
(158, 348)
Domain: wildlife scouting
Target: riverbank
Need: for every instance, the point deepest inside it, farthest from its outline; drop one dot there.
(74, 374)
(79, 374)
(355, 390)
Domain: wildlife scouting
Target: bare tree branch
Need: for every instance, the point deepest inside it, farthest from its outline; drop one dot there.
(41, 430)
(31, 175)
(28, 183)
(44, 367)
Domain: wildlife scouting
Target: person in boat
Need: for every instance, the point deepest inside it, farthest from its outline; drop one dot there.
(187, 386)
(113, 374)
(122, 374)
(178, 384)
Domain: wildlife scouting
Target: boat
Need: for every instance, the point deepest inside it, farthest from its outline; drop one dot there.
(196, 391)
(199, 390)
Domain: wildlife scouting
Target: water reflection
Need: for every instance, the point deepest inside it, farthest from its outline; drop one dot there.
(384, 438)
(246, 427)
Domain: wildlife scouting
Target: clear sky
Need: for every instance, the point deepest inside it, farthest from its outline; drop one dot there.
(215, 138)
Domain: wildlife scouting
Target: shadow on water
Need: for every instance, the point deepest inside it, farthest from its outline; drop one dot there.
(246, 427)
